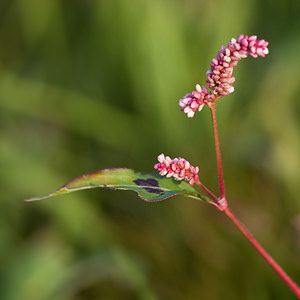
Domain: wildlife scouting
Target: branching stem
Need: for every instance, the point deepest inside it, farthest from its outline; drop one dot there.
(287, 279)
(221, 204)
(208, 192)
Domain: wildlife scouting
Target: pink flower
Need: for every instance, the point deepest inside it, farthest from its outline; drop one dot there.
(195, 100)
(178, 168)
(248, 45)
(219, 77)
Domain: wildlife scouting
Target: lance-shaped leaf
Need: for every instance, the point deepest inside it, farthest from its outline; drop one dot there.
(149, 186)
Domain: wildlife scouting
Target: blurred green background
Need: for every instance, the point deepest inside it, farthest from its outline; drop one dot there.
(87, 85)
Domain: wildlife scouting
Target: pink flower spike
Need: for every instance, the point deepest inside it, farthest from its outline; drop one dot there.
(193, 101)
(178, 168)
(220, 76)
(227, 58)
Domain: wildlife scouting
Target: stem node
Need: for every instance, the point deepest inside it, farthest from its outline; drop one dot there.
(221, 204)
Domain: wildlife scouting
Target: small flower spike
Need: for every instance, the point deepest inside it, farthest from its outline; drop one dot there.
(179, 168)
(195, 100)
(219, 77)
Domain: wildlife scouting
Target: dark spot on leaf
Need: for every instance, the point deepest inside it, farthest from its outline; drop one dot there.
(149, 182)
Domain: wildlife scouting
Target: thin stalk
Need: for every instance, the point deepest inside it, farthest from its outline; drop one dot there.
(222, 205)
(288, 280)
(208, 192)
(218, 152)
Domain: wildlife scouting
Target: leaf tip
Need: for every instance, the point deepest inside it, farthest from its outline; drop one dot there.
(35, 199)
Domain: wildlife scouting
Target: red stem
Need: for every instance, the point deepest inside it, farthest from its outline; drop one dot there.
(208, 192)
(218, 151)
(295, 288)
(222, 205)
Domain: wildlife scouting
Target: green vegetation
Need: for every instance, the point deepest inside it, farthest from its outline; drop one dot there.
(89, 85)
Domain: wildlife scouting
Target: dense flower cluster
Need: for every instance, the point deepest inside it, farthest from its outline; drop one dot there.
(195, 100)
(219, 77)
(179, 168)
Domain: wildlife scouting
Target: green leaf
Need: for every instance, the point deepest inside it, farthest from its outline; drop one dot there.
(149, 186)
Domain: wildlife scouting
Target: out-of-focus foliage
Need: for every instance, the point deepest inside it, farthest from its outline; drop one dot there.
(87, 85)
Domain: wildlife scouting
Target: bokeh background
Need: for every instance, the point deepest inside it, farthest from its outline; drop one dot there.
(87, 85)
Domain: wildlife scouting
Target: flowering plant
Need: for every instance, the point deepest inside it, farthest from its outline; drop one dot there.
(219, 77)
(181, 176)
